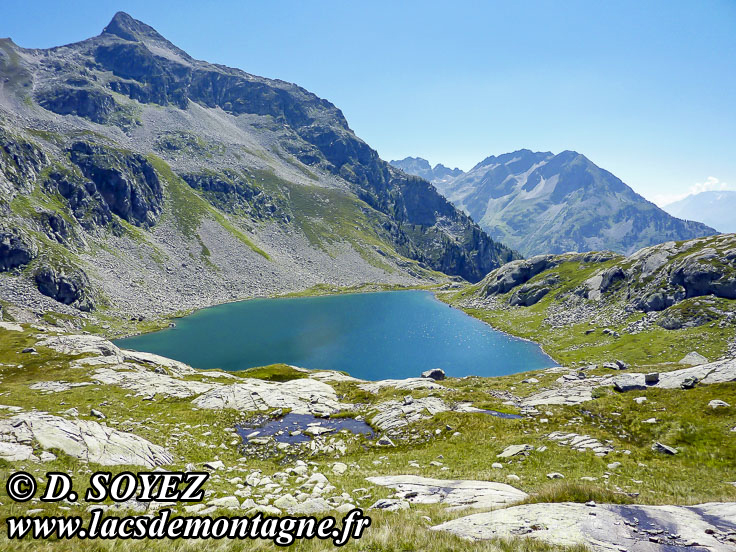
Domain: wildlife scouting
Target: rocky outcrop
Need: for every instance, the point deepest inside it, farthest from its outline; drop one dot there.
(516, 273)
(70, 286)
(85, 440)
(393, 416)
(677, 284)
(530, 294)
(127, 181)
(301, 396)
(408, 384)
(576, 391)
(74, 344)
(90, 103)
(84, 199)
(21, 161)
(15, 249)
(455, 494)
(607, 527)
(703, 273)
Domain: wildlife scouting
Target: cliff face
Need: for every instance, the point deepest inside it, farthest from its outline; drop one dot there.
(125, 138)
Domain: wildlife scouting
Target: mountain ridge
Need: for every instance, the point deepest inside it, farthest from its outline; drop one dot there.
(540, 202)
(121, 154)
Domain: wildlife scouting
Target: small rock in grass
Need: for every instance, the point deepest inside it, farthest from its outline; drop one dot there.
(659, 447)
(338, 468)
(214, 465)
(497, 466)
(555, 475)
(716, 403)
(514, 450)
(614, 465)
(689, 383)
(390, 505)
(97, 414)
(640, 400)
(650, 421)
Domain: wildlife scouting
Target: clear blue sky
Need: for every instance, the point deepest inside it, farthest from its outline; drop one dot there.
(646, 89)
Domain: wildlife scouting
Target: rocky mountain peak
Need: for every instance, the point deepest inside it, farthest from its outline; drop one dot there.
(124, 26)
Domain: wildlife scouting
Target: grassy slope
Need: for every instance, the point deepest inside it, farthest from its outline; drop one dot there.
(699, 473)
(655, 346)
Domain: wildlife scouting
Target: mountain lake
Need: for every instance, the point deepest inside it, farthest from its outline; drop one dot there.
(384, 335)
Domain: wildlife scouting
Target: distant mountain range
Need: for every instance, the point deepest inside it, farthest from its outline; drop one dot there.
(716, 209)
(539, 202)
(437, 175)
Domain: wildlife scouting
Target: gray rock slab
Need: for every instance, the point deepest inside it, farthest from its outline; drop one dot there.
(607, 527)
(86, 440)
(454, 493)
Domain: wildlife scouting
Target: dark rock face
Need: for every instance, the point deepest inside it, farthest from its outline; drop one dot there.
(55, 226)
(91, 104)
(67, 287)
(20, 160)
(126, 181)
(15, 250)
(701, 278)
(89, 207)
(610, 277)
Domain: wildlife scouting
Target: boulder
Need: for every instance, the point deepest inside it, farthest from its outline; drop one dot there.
(693, 359)
(629, 382)
(311, 507)
(68, 286)
(436, 374)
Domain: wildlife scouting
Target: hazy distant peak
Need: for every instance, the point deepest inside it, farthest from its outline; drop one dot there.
(418, 166)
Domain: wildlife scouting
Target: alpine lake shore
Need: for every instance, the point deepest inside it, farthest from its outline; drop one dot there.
(576, 440)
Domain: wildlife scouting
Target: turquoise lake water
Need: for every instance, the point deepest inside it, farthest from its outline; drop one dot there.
(372, 336)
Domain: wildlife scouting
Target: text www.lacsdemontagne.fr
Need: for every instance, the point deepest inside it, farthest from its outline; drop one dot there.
(283, 531)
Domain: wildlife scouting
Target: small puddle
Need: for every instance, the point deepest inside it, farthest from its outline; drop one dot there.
(299, 428)
(500, 414)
